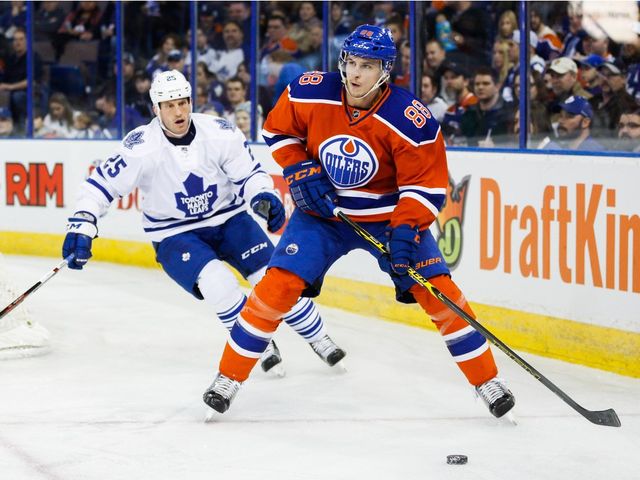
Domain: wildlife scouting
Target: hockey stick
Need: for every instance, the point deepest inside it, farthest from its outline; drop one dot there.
(604, 417)
(36, 286)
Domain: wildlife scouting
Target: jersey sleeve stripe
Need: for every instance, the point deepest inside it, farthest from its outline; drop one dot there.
(361, 194)
(422, 200)
(104, 191)
(99, 171)
(412, 142)
(435, 196)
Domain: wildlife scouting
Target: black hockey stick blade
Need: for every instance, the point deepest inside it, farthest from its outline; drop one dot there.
(607, 418)
(36, 286)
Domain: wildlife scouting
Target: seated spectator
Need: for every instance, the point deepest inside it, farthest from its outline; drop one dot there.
(205, 52)
(6, 123)
(488, 122)
(501, 61)
(539, 121)
(434, 55)
(613, 100)
(108, 120)
(243, 119)
(312, 59)
(629, 130)
(341, 20)
(574, 126)
(236, 93)
(471, 29)
(212, 108)
(58, 122)
(139, 99)
(284, 70)
(564, 84)
(175, 61)
(507, 24)
(224, 63)
(13, 70)
(83, 23)
(456, 79)
(589, 78)
(159, 61)
(549, 44)
(85, 126)
(536, 63)
(14, 17)
(48, 20)
(277, 37)
(429, 95)
(212, 86)
(300, 31)
(403, 79)
(573, 40)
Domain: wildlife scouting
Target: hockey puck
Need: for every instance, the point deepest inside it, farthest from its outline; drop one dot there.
(457, 459)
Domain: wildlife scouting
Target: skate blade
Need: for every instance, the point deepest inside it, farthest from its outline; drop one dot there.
(340, 367)
(277, 371)
(210, 415)
(509, 419)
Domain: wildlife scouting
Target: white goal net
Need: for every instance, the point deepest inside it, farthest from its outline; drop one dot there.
(20, 335)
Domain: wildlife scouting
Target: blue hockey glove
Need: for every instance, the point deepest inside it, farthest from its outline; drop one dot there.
(310, 188)
(81, 230)
(268, 206)
(402, 244)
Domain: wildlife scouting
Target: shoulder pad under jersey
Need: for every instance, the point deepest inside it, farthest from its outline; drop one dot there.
(311, 87)
(405, 114)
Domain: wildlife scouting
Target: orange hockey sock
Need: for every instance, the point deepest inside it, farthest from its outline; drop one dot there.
(270, 300)
(468, 347)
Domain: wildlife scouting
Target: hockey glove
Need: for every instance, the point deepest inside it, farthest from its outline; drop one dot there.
(269, 207)
(402, 245)
(311, 189)
(81, 230)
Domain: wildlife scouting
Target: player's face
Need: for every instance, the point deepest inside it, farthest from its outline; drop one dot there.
(362, 74)
(175, 115)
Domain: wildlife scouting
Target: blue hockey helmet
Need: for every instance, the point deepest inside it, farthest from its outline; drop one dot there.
(371, 41)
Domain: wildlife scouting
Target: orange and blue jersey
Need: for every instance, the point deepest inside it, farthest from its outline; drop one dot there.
(387, 163)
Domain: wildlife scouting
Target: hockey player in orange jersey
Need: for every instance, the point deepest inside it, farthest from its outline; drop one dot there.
(353, 141)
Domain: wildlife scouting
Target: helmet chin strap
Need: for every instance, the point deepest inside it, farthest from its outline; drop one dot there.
(156, 109)
(383, 78)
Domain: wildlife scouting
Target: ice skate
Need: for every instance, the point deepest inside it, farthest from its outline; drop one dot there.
(328, 351)
(221, 393)
(496, 396)
(271, 360)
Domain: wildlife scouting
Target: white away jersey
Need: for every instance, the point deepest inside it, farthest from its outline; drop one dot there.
(183, 187)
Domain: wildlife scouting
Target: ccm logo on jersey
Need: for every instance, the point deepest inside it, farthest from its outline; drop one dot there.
(253, 250)
(348, 161)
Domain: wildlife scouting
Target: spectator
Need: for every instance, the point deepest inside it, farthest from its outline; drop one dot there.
(456, 79)
(14, 77)
(15, 17)
(83, 23)
(501, 60)
(48, 20)
(341, 21)
(204, 52)
(225, 62)
(244, 73)
(242, 116)
(629, 130)
(536, 63)
(236, 93)
(471, 27)
(507, 24)
(564, 84)
(434, 56)
(487, 123)
(589, 78)
(139, 99)
(613, 100)
(312, 59)
(600, 46)
(109, 122)
(395, 23)
(277, 37)
(574, 126)
(175, 61)
(573, 40)
(429, 88)
(58, 122)
(301, 31)
(403, 79)
(549, 44)
(285, 70)
(159, 61)
(85, 127)
(539, 122)
(6, 123)
(213, 88)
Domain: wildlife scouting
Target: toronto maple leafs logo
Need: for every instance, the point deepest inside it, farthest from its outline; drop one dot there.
(225, 124)
(198, 201)
(133, 139)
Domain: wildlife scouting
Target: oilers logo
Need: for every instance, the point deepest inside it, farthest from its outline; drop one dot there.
(348, 161)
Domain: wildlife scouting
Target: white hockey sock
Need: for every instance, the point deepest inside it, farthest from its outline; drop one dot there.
(305, 319)
(228, 316)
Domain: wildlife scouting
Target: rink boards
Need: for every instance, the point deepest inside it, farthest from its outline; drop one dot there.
(546, 247)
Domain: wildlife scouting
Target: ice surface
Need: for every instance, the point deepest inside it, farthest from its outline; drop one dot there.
(120, 398)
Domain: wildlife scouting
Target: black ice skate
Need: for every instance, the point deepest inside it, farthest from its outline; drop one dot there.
(221, 392)
(495, 394)
(328, 351)
(270, 357)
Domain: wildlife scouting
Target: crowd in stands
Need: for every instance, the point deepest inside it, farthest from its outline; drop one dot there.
(584, 92)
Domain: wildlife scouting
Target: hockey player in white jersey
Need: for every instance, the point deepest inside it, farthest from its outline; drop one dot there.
(196, 174)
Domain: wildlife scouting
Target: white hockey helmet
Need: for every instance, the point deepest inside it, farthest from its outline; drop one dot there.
(169, 85)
